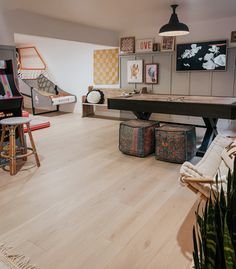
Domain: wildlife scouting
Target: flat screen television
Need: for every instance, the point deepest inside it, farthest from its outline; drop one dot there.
(208, 56)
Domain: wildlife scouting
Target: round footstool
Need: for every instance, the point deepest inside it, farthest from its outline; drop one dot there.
(137, 137)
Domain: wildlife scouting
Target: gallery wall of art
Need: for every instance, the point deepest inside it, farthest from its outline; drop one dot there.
(170, 81)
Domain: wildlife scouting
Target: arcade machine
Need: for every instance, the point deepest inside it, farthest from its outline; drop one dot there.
(10, 98)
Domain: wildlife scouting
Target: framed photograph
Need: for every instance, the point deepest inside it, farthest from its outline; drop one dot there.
(151, 73)
(233, 37)
(209, 56)
(168, 43)
(135, 71)
(156, 47)
(127, 44)
(144, 45)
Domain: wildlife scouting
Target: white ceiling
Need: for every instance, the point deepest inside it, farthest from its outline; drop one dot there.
(121, 15)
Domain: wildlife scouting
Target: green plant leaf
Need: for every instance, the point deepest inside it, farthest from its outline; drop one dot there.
(231, 212)
(219, 225)
(228, 248)
(195, 250)
(210, 237)
(214, 236)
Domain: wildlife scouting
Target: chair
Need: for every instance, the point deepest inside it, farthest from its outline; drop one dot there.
(201, 178)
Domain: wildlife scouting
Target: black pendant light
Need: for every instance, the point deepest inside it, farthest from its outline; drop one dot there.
(174, 27)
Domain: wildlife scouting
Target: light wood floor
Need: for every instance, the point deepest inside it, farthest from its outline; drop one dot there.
(89, 206)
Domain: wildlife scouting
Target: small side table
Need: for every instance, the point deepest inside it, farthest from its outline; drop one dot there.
(10, 125)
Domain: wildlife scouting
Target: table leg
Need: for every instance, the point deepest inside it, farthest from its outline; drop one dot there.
(142, 115)
(210, 134)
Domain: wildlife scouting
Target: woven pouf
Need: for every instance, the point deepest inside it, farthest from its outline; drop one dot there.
(175, 143)
(137, 137)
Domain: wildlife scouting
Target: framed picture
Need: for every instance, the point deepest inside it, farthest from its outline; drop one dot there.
(156, 47)
(168, 43)
(151, 73)
(207, 56)
(233, 37)
(144, 45)
(127, 44)
(135, 71)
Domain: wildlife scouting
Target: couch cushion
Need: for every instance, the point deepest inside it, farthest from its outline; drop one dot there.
(211, 161)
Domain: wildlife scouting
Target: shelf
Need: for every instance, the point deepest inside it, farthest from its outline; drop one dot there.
(88, 104)
(146, 53)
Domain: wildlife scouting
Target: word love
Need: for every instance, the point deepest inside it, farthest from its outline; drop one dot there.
(144, 45)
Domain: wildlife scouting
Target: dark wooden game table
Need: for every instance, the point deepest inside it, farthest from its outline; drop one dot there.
(209, 108)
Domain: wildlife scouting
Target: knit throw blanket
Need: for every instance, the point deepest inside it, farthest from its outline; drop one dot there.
(9, 260)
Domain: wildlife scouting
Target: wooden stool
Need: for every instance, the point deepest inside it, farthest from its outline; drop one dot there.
(10, 125)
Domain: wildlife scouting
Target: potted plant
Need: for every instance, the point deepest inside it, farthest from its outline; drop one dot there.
(214, 236)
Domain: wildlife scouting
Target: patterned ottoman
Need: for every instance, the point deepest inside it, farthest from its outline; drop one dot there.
(175, 143)
(137, 137)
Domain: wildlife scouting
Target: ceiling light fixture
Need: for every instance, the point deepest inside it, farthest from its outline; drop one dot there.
(174, 27)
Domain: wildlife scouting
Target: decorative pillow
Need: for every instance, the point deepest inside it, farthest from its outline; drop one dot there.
(95, 97)
(228, 155)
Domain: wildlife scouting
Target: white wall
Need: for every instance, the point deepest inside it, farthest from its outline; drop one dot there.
(6, 34)
(20, 21)
(70, 64)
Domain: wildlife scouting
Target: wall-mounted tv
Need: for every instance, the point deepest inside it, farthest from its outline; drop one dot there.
(207, 56)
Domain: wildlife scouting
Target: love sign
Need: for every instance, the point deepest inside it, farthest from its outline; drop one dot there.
(144, 45)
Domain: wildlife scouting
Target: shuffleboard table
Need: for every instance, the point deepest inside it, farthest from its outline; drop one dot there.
(209, 108)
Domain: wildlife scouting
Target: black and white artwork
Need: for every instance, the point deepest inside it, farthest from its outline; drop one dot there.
(201, 56)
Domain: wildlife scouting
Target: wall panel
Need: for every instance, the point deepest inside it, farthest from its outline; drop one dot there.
(200, 83)
(180, 80)
(223, 82)
(147, 59)
(165, 62)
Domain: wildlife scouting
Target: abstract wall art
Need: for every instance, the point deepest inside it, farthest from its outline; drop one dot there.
(127, 44)
(201, 56)
(151, 73)
(135, 71)
(106, 67)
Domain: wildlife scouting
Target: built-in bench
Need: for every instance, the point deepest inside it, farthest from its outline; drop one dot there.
(89, 109)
